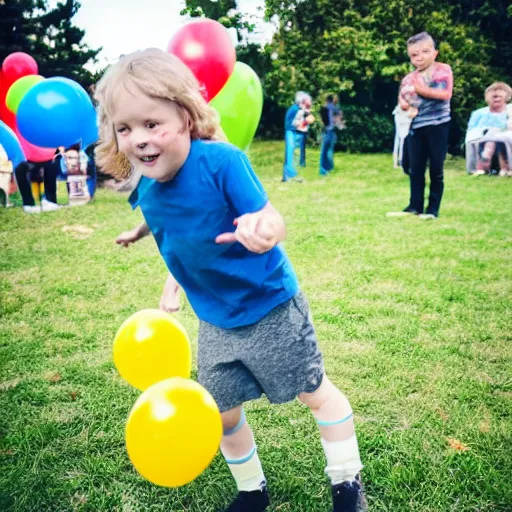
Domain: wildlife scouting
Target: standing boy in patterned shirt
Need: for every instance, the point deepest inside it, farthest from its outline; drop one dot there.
(428, 89)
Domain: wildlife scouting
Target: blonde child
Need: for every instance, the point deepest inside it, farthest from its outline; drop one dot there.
(219, 236)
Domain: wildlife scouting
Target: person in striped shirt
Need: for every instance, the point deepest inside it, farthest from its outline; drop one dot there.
(425, 93)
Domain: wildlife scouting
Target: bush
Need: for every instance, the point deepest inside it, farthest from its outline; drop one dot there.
(366, 131)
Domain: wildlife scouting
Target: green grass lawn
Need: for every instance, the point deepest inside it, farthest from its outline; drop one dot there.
(414, 320)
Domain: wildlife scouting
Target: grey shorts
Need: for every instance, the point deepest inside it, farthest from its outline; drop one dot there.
(277, 356)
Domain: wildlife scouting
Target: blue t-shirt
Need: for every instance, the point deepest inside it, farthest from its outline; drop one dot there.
(289, 117)
(226, 285)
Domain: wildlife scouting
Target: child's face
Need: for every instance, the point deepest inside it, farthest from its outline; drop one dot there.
(72, 160)
(305, 105)
(152, 134)
(422, 54)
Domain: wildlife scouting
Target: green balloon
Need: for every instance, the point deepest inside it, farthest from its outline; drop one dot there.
(239, 104)
(18, 89)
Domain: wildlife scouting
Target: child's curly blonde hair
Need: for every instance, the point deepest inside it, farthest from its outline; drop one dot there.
(156, 74)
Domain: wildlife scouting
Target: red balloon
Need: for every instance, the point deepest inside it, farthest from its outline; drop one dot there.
(5, 114)
(3, 94)
(34, 153)
(18, 64)
(206, 48)
(14, 66)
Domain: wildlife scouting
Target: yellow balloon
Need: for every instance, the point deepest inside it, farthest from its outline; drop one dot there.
(151, 346)
(173, 432)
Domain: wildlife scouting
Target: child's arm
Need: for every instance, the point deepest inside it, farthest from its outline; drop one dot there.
(444, 93)
(129, 237)
(432, 93)
(298, 119)
(170, 300)
(258, 232)
(403, 104)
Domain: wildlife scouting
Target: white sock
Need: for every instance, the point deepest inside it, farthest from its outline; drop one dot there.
(343, 460)
(247, 471)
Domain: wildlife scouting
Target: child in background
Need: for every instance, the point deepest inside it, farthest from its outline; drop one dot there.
(426, 94)
(220, 238)
(303, 120)
(294, 135)
(332, 118)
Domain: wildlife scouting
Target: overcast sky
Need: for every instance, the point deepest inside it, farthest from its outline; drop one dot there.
(122, 26)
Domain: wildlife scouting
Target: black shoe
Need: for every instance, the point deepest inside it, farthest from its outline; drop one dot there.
(253, 501)
(349, 497)
(411, 210)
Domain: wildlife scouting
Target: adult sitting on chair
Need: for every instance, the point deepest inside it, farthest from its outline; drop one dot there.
(489, 133)
(40, 172)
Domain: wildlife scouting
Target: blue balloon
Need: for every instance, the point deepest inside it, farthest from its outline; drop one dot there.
(11, 145)
(54, 113)
(90, 129)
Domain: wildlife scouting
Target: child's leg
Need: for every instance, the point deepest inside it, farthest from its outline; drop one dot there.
(336, 423)
(324, 147)
(240, 452)
(303, 139)
(22, 178)
(418, 156)
(289, 170)
(437, 140)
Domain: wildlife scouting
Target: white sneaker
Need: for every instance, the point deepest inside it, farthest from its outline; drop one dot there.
(399, 214)
(479, 172)
(48, 206)
(32, 209)
(427, 216)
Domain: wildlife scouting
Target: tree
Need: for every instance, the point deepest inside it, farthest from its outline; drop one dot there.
(224, 11)
(494, 19)
(49, 36)
(359, 50)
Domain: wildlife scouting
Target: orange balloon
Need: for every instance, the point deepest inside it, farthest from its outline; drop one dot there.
(173, 432)
(151, 346)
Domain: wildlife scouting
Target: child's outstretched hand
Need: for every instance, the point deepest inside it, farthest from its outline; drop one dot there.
(258, 232)
(129, 237)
